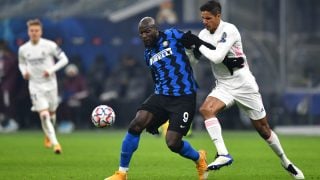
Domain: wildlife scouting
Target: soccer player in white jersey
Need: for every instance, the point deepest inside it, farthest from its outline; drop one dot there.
(37, 65)
(234, 84)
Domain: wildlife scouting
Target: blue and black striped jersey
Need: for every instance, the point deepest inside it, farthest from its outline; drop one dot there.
(170, 67)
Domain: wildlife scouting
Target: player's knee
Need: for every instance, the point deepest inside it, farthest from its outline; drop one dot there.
(44, 115)
(134, 131)
(135, 127)
(206, 111)
(174, 146)
(203, 110)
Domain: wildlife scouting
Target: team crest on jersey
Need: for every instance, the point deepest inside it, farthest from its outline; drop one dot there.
(223, 37)
(165, 43)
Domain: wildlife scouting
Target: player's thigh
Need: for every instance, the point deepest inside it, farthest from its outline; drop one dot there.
(39, 101)
(251, 104)
(181, 113)
(142, 119)
(154, 105)
(212, 106)
(218, 95)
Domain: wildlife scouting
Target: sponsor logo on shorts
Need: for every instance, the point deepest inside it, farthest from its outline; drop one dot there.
(182, 126)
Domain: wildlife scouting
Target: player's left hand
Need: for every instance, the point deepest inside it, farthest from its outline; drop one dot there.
(232, 63)
(46, 73)
(188, 40)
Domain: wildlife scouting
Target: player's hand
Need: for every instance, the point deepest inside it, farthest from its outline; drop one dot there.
(26, 76)
(232, 63)
(46, 73)
(188, 40)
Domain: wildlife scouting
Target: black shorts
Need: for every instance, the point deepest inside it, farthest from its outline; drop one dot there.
(179, 110)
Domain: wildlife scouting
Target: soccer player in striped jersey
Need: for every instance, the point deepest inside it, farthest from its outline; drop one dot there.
(37, 65)
(235, 84)
(174, 98)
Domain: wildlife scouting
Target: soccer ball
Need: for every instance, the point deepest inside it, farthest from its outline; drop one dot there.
(103, 116)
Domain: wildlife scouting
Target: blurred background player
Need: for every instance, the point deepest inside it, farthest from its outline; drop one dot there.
(166, 13)
(174, 98)
(37, 65)
(8, 88)
(74, 93)
(235, 84)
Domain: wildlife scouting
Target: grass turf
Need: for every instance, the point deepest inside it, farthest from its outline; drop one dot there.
(95, 155)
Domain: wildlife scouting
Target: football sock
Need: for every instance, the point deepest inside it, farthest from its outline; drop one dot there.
(188, 152)
(214, 129)
(129, 145)
(123, 169)
(275, 145)
(48, 127)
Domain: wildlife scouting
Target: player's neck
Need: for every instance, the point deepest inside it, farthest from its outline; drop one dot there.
(35, 41)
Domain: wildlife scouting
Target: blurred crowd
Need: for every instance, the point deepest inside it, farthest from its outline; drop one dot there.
(10, 88)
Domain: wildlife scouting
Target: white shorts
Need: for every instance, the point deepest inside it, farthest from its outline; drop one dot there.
(247, 97)
(44, 100)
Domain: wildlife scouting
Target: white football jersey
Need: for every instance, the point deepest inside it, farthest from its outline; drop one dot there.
(36, 58)
(227, 41)
(241, 87)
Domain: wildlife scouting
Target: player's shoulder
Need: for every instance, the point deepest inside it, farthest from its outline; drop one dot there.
(47, 42)
(227, 26)
(24, 46)
(173, 30)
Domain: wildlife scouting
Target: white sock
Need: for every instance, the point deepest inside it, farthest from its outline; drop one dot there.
(275, 145)
(123, 169)
(53, 118)
(48, 127)
(214, 129)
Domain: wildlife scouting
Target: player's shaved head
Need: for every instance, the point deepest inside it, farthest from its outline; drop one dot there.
(148, 31)
(147, 22)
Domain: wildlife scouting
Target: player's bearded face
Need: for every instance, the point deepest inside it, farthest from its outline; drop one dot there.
(35, 33)
(148, 35)
(210, 21)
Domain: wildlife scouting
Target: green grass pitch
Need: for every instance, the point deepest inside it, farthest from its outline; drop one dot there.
(94, 155)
